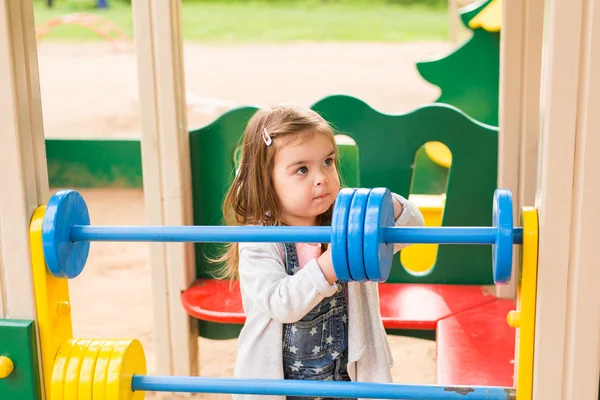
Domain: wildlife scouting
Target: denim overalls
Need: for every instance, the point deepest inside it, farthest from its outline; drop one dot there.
(316, 347)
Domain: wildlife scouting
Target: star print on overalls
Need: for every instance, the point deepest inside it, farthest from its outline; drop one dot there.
(316, 346)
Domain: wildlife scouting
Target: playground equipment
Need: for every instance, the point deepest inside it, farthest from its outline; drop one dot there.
(115, 369)
(413, 301)
(565, 350)
(103, 27)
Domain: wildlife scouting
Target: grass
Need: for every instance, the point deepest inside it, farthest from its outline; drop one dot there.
(255, 21)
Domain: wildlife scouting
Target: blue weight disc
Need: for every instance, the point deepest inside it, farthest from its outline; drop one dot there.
(339, 234)
(503, 249)
(377, 254)
(356, 224)
(64, 258)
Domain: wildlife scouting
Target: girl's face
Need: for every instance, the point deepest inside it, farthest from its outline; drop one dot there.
(306, 179)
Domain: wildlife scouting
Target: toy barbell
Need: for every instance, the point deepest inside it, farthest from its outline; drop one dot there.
(362, 234)
(115, 369)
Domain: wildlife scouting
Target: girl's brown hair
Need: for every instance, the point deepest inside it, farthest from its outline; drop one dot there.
(251, 199)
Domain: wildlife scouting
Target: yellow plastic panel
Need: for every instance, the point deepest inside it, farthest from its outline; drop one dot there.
(52, 303)
(420, 258)
(524, 317)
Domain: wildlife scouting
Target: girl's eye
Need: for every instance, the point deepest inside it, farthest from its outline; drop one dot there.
(302, 171)
(328, 162)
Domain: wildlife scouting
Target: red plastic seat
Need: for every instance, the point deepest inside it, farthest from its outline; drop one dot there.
(403, 306)
(477, 346)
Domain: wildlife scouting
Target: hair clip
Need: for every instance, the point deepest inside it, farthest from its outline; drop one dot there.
(267, 138)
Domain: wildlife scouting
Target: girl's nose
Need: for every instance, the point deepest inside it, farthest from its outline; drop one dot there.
(321, 179)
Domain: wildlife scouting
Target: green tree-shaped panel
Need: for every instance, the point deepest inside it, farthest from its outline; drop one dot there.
(469, 76)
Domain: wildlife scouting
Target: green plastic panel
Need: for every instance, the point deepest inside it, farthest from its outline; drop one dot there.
(469, 77)
(94, 163)
(18, 342)
(212, 151)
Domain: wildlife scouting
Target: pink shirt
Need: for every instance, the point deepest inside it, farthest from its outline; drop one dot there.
(307, 251)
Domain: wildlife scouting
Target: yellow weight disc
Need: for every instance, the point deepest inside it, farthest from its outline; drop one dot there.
(86, 373)
(127, 359)
(59, 369)
(73, 367)
(99, 389)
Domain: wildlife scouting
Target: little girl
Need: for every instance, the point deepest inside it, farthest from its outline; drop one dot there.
(300, 322)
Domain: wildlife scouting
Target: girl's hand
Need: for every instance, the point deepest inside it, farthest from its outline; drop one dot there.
(326, 264)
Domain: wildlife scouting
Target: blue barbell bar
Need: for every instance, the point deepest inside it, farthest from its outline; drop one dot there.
(279, 387)
(289, 234)
(67, 233)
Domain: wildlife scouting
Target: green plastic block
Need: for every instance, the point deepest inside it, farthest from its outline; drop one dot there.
(18, 342)
(85, 163)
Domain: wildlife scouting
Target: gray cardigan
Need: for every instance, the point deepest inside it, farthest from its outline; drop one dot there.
(271, 298)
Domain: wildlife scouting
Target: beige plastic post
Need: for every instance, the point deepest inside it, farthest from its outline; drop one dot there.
(24, 176)
(582, 345)
(167, 182)
(567, 347)
(530, 99)
(453, 20)
(520, 70)
(23, 171)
